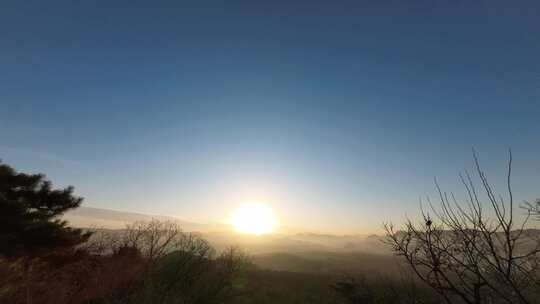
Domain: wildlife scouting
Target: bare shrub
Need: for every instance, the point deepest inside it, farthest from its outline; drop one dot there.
(154, 239)
(473, 252)
(178, 267)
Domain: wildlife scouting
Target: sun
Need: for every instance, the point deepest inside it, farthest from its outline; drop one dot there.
(254, 218)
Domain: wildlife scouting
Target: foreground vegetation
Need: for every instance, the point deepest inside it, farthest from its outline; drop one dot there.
(459, 254)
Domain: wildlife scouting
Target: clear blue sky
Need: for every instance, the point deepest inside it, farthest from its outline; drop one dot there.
(338, 114)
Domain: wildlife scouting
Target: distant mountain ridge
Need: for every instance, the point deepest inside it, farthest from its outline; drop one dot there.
(222, 235)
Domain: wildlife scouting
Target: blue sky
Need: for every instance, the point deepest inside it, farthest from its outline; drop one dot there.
(338, 114)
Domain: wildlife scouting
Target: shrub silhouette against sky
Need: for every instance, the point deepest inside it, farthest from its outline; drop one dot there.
(477, 251)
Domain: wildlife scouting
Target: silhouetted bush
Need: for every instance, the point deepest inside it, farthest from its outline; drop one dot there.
(172, 266)
(473, 252)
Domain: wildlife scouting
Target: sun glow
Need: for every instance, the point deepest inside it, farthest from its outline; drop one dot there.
(253, 219)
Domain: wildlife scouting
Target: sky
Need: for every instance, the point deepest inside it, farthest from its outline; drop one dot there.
(337, 114)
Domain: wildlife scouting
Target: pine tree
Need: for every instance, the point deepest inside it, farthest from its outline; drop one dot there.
(29, 215)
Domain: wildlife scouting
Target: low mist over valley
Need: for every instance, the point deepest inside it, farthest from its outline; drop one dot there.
(223, 235)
